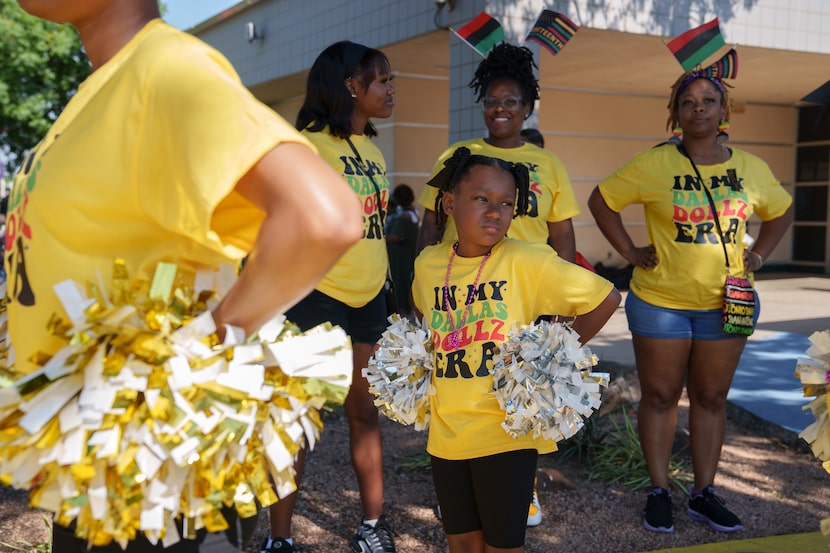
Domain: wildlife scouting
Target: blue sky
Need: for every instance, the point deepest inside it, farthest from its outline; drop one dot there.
(184, 14)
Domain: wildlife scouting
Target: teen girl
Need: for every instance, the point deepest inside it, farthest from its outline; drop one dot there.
(348, 84)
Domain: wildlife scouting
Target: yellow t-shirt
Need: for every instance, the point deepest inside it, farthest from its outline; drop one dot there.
(359, 275)
(520, 281)
(141, 165)
(551, 195)
(692, 267)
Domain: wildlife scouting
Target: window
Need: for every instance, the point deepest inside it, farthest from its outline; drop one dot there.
(811, 203)
(811, 191)
(807, 129)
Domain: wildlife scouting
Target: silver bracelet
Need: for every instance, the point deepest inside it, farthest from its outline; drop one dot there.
(759, 257)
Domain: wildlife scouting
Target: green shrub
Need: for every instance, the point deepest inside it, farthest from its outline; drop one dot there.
(610, 447)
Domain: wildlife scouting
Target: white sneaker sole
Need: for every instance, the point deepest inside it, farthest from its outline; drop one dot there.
(535, 520)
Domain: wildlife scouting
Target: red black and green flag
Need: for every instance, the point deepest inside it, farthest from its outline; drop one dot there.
(695, 45)
(482, 33)
(552, 31)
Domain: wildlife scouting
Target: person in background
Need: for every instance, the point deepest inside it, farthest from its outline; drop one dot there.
(507, 89)
(349, 84)
(675, 303)
(166, 149)
(401, 240)
(533, 136)
(484, 477)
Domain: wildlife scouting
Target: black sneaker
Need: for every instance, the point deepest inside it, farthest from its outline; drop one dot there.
(374, 540)
(658, 511)
(709, 508)
(276, 545)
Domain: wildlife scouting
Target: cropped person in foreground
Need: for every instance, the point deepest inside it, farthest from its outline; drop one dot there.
(164, 156)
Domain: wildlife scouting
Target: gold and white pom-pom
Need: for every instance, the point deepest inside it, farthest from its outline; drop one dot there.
(400, 373)
(814, 373)
(543, 381)
(144, 417)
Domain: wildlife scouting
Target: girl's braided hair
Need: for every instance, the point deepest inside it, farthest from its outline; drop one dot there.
(458, 165)
(506, 61)
(685, 80)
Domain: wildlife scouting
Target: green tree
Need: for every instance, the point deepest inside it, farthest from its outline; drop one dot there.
(42, 65)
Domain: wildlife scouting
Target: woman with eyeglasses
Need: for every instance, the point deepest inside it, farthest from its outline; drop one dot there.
(507, 89)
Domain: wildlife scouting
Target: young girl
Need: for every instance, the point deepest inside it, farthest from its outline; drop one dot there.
(471, 293)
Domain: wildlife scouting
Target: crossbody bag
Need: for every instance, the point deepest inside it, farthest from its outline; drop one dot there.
(389, 284)
(738, 313)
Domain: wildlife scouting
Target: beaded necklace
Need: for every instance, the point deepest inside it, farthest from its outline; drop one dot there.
(454, 340)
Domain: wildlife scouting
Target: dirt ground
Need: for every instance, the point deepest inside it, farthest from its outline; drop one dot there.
(767, 476)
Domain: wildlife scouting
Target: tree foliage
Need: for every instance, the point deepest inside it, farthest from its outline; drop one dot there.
(42, 65)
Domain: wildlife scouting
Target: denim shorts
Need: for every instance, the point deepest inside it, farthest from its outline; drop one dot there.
(645, 319)
(363, 324)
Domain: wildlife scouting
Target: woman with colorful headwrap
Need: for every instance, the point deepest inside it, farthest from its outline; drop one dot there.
(674, 308)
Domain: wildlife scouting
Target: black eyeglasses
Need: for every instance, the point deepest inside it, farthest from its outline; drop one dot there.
(509, 103)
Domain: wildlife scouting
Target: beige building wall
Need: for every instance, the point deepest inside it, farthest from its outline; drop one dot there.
(603, 98)
(592, 132)
(420, 130)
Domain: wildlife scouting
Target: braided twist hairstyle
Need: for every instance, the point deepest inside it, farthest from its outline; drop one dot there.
(458, 165)
(508, 62)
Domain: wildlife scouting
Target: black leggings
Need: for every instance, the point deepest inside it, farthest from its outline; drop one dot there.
(491, 494)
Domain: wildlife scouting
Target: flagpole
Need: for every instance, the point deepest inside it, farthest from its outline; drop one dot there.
(467, 43)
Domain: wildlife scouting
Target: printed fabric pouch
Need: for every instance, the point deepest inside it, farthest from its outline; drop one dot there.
(738, 306)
